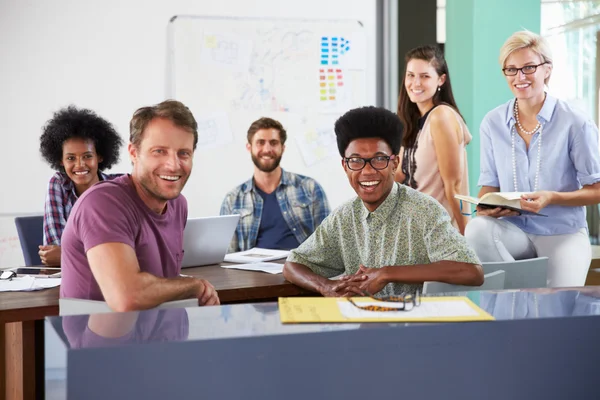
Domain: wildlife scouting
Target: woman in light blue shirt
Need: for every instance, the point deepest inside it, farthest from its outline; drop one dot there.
(541, 146)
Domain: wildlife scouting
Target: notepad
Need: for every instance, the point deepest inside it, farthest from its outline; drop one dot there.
(294, 310)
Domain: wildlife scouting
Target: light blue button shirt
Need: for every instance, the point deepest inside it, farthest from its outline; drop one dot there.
(570, 158)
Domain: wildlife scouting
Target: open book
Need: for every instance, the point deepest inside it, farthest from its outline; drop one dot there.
(256, 255)
(508, 200)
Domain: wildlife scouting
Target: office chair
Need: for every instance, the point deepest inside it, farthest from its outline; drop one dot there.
(521, 274)
(491, 281)
(31, 235)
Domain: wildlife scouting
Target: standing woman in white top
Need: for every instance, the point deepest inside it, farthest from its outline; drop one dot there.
(537, 144)
(434, 159)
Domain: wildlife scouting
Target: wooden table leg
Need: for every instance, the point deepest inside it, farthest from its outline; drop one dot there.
(22, 382)
(3, 344)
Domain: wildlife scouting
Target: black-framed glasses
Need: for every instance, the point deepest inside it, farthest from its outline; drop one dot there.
(527, 69)
(7, 275)
(405, 302)
(377, 162)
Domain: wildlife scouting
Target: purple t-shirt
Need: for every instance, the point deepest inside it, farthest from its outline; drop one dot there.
(112, 211)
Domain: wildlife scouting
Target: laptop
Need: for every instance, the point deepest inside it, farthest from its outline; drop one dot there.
(206, 239)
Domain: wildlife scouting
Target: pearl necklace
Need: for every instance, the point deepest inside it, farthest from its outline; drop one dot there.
(538, 126)
(514, 160)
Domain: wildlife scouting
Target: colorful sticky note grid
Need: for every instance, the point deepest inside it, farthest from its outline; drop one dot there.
(330, 81)
(331, 49)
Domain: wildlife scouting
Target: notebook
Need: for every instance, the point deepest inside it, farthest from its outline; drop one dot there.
(206, 239)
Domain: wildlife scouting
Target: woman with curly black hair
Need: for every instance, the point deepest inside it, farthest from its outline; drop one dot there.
(79, 145)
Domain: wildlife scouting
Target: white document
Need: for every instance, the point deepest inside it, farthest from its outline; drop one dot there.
(271, 268)
(256, 255)
(225, 50)
(28, 283)
(427, 309)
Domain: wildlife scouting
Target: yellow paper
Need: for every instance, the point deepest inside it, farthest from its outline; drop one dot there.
(294, 310)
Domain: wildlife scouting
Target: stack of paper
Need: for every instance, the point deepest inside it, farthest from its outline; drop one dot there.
(28, 283)
(255, 255)
(332, 309)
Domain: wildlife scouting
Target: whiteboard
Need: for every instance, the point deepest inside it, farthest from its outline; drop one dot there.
(232, 71)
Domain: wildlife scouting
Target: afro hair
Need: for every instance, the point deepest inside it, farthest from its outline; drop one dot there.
(72, 122)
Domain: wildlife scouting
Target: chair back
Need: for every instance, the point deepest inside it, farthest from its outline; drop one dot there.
(521, 274)
(31, 235)
(68, 306)
(491, 281)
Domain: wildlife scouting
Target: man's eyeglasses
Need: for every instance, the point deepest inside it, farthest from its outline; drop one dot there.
(527, 70)
(378, 162)
(7, 275)
(405, 303)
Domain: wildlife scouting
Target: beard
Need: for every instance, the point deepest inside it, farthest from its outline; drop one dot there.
(264, 167)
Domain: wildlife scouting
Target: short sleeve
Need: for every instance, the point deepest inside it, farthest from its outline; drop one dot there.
(585, 154)
(106, 215)
(321, 252)
(442, 241)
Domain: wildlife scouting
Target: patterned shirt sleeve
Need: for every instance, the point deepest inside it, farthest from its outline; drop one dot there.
(442, 241)
(320, 205)
(226, 208)
(321, 252)
(54, 213)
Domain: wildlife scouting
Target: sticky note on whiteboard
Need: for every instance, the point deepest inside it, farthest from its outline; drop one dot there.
(210, 41)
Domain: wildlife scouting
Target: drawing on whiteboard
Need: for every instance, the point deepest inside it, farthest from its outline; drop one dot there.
(213, 130)
(226, 51)
(317, 145)
(275, 81)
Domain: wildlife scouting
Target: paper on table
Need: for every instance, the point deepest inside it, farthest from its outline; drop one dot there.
(427, 309)
(271, 268)
(256, 255)
(329, 309)
(28, 283)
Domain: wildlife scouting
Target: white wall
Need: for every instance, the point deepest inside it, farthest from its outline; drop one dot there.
(110, 56)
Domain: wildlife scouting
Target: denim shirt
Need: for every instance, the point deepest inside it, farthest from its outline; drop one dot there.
(302, 201)
(569, 159)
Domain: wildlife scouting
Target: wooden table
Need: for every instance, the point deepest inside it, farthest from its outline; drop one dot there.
(22, 325)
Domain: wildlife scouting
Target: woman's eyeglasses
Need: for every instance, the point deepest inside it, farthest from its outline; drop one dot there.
(405, 302)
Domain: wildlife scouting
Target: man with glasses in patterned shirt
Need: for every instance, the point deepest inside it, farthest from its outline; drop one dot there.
(278, 209)
(391, 238)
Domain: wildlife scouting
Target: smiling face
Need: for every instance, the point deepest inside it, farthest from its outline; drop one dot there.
(162, 163)
(421, 83)
(371, 185)
(529, 86)
(80, 162)
(266, 149)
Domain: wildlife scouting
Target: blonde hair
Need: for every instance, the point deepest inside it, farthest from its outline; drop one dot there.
(526, 40)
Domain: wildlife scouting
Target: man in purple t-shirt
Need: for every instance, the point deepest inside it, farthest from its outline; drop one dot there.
(123, 242)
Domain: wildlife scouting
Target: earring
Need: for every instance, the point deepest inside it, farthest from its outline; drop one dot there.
(439, 88)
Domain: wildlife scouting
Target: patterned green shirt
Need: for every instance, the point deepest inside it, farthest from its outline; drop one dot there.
(408, 228)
